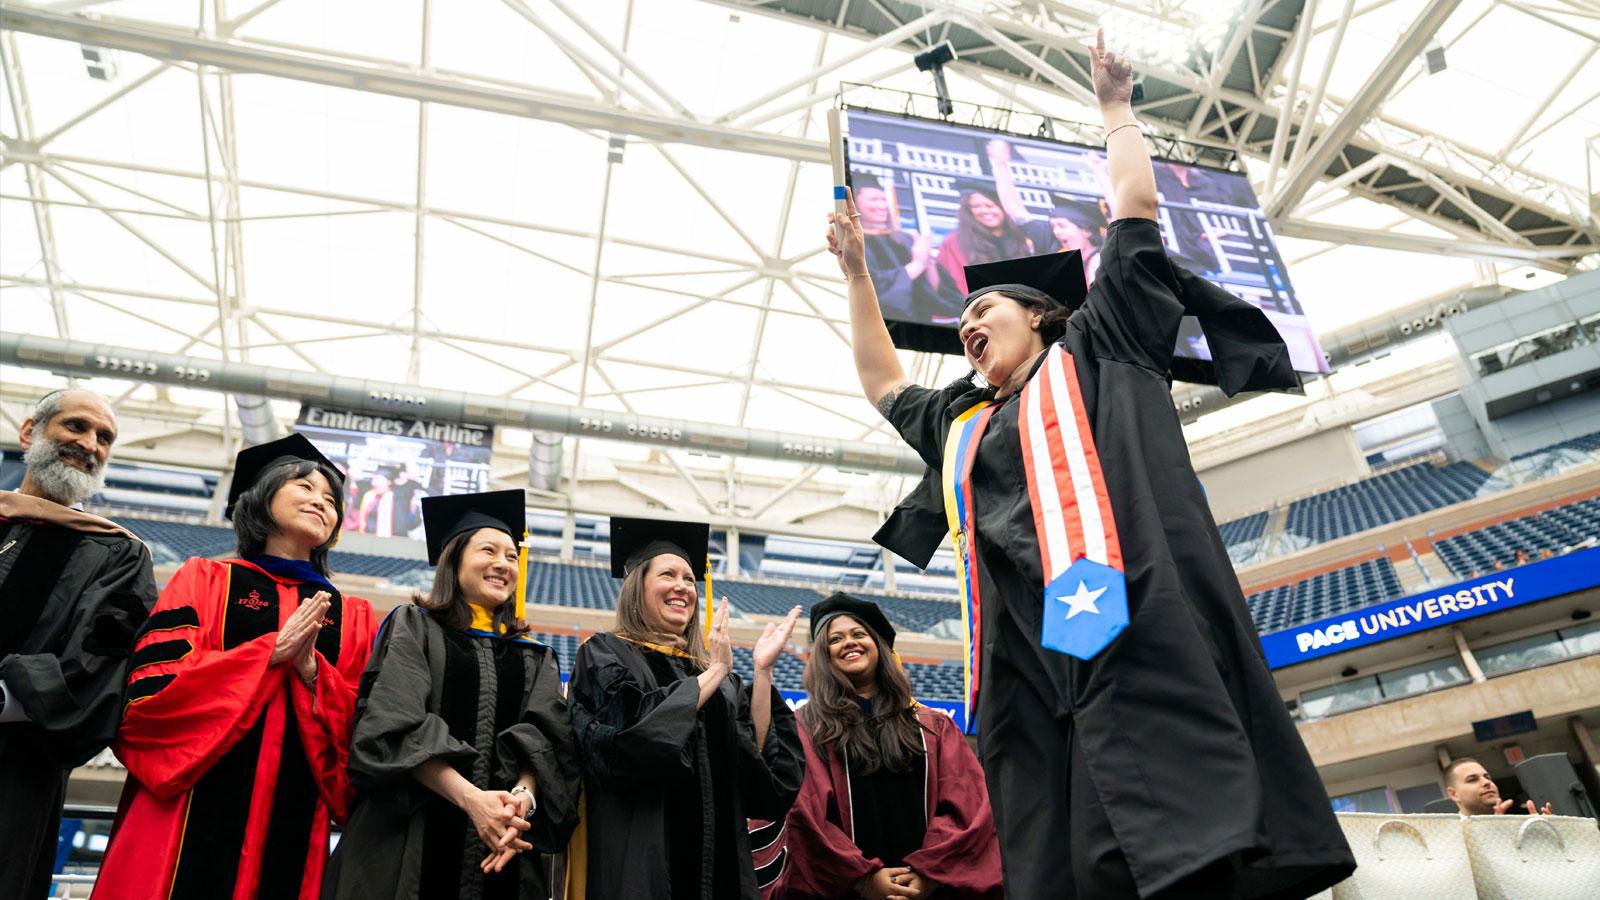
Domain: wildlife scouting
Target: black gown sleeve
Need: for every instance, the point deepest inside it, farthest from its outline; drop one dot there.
(394, 731)
(769, 776)
(1134, 307)
(541, 742)
(922, 418)
(73, 697)
(629, 734)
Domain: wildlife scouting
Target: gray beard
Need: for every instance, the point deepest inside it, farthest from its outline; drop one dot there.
(56, 478)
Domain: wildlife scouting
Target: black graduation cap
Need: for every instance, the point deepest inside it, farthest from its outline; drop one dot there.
(1058, 276)
(864, 611)
(444, 518)
(634, 541)
(252, 461)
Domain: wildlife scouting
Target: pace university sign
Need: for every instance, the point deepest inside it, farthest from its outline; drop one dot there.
(1469, 599)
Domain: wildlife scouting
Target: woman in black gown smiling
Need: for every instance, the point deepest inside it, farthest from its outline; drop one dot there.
(677, 751)
(463, 756)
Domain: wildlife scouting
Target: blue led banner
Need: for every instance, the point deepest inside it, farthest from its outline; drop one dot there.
(1478, 597)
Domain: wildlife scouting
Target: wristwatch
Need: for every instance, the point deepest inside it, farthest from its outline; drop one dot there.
(533, 802)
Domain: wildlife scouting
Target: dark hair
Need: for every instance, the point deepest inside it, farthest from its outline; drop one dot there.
(448, 603)
(890, 738)
(1458, 762)
(1052, 316)
(975, 241)
(252, 513)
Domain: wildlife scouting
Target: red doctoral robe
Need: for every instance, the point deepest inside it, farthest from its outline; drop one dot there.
(235, 768)
(816, 858)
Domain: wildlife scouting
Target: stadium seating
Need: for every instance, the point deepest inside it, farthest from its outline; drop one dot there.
(564, 584)
(1240, 531)
(1382, 499)
(1325, 594)
(913, 614)
(177, 541)
(1583, 443)
(371, 564)
(1554, 529)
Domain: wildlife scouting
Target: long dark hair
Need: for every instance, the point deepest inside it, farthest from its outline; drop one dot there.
(631, 623)
(448, 603)
(890, 738)
(252, 513)
(975, 241)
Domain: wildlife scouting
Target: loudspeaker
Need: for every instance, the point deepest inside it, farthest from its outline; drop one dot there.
(1550, 778)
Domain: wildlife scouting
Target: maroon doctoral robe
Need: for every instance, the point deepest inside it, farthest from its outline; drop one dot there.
(812, 854)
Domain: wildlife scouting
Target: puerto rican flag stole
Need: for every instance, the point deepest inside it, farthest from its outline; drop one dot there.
(1084, 595)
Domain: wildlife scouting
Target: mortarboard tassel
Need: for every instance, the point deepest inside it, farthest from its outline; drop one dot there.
(710, 603)
(521, 597)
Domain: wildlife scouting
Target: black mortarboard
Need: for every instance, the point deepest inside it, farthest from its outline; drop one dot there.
(634, 541)
(1058, 277)
(252, 461)
(444, 518)
(863, 611)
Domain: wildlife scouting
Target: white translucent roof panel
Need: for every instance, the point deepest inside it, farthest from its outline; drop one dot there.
(712, 300)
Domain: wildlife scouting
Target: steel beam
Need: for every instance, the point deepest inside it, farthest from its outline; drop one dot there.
(1360, 108)
(83, 359)
(176, 45)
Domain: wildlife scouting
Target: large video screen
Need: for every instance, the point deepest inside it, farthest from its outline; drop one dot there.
(391, 463)
(935, 197)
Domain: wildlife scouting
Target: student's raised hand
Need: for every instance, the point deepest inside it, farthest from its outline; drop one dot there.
(1111, 73)
(845, 242)
(773, 639)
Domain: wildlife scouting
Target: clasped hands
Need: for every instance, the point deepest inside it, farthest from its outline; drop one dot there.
(895, 883)
(297, 639)
(500, 818)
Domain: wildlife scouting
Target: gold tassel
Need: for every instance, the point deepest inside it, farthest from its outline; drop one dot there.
(710, 597)
(522, 578)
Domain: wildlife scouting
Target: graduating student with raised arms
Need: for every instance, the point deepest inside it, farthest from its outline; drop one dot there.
(1111, 658)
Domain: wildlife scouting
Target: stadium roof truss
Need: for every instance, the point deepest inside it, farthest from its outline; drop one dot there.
(1455, 198)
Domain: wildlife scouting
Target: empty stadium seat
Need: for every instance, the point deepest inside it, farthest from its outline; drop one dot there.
(1554, 529)
(1240, 531)
(1382, 499)
(1323, 595)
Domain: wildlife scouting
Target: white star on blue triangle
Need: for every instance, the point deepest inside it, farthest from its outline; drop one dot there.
(1085, 608)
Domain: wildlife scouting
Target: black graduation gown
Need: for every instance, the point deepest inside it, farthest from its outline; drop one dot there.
(668, 788)
(1170, 753)
(71, 602)
(427, 694)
